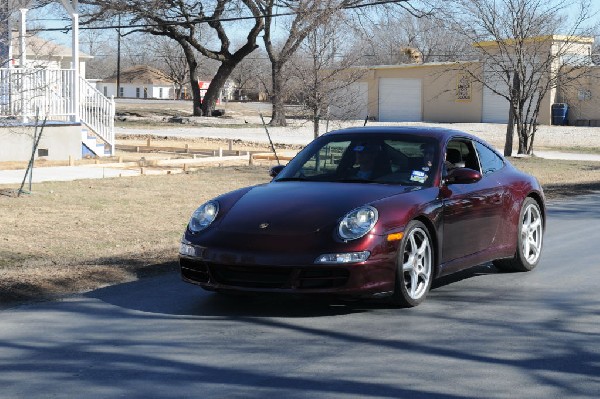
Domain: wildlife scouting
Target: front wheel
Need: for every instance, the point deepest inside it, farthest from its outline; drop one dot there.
(530, 235)
(414, 266)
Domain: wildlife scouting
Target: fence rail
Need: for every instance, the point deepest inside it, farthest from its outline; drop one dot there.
(25, 91)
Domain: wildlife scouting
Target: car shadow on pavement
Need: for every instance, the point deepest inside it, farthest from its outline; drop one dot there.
(167, 294)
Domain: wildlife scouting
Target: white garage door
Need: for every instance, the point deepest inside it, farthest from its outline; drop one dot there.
(495, 107)
(400, 100)
(350, 102)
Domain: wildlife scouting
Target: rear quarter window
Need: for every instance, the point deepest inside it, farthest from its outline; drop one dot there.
(489, 160)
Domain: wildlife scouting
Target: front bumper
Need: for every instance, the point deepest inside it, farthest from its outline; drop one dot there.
(373, 278)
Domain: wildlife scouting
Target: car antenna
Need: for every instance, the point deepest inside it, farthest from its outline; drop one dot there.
(269, 136)
(366, 119)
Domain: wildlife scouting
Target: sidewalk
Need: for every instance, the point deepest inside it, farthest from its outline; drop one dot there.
(102, 171)
(63, 173)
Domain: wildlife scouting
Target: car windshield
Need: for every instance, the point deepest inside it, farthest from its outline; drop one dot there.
(366, 158)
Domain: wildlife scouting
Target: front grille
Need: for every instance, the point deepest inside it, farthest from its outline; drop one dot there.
(322, 278)
(252, 276)
(270, 277)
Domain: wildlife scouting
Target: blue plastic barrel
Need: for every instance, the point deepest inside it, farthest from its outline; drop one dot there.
(560, 113)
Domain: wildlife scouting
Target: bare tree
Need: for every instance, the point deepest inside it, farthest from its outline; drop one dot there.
(182, 21)
(521, 55)
(251, 76)
(306, 16)
(324, 67)
(172, 60)
(4, 34)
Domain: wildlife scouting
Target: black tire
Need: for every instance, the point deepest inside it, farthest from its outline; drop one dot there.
(415, 266)
(530, 234)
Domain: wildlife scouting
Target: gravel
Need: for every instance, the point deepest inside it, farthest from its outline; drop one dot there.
(301, 133)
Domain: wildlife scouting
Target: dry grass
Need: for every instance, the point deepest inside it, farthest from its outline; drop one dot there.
(562, 178)
(75, 236)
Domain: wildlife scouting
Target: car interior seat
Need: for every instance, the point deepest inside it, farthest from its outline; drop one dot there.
(454, 159)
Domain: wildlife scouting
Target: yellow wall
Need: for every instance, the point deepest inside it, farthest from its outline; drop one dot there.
(439, 90)
(583, 97)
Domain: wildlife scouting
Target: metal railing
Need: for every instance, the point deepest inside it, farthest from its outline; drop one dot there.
(25, 91)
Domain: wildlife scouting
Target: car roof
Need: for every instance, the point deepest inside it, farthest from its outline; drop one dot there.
(438, 133)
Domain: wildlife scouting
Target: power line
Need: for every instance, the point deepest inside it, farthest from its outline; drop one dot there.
(231, 19)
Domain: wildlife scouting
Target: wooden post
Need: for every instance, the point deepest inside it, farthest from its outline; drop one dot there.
(230, 145)
(71, 161)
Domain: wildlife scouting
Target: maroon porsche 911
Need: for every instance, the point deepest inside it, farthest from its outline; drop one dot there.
(369, 212)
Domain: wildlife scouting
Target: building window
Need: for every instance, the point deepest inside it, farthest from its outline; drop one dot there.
(105, 90)
(121, 92)
(137, 92)
(584, 94)
(160, 92)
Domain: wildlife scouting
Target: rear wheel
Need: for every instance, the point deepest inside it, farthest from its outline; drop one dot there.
(529, 239)
(414, 266)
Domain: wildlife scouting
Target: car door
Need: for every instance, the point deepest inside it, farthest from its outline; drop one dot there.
(471, 212)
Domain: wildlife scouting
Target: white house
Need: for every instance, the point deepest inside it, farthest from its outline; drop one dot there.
(45, 54)
(140, 81)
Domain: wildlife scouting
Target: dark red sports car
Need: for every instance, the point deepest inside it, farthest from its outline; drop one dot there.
(369, 212)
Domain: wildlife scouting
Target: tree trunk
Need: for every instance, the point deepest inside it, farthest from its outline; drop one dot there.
(216, 84)
(510, 132)
(522, 134)
(316, 121)
(510, 128)
(196, 100)
(277, 98)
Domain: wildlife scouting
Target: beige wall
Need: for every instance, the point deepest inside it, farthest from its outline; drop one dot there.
(583, 97)
(61, 141)
(439, 90)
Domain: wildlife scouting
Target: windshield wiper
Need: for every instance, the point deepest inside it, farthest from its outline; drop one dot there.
(356, 180)
(292, 179)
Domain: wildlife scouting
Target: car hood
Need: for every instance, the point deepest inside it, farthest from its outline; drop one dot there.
(293, 208)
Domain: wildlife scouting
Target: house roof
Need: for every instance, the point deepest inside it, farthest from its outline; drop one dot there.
(141, 74)
(40, 48)
(538, 39)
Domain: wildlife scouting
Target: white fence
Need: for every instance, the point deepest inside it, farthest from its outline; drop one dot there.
(50, 92)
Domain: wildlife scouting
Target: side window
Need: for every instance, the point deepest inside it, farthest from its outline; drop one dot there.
(460, 153)
(490, 161)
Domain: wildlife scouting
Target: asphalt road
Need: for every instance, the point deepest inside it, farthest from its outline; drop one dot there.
(482, 334)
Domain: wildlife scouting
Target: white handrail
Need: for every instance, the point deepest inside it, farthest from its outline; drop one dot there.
(51, 91)
(97, 112)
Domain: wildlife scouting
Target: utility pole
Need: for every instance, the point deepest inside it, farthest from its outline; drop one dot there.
(119, 58)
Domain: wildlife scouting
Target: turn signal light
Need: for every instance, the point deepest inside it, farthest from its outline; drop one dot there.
(395, 236)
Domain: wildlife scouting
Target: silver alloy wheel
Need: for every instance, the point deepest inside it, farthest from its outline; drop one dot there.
(416, 263)
(531, 233)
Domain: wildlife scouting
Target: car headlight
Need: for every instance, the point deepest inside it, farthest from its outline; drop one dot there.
(358, 222)
(203, 216)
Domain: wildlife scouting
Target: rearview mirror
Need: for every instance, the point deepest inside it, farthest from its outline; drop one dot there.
(275, 170)
(463, 176)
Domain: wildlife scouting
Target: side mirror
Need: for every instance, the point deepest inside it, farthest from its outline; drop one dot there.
(275, 170)
(463, 176)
